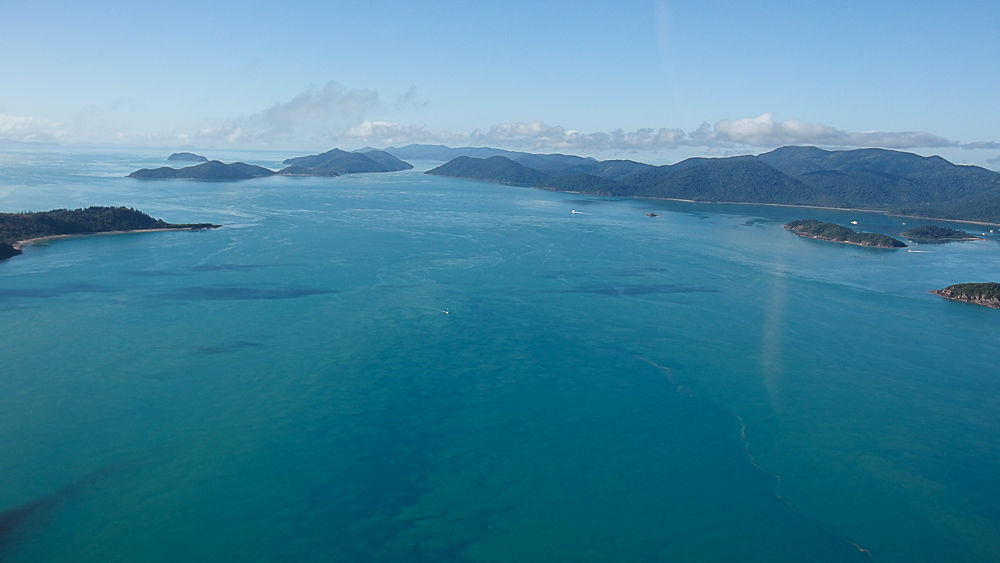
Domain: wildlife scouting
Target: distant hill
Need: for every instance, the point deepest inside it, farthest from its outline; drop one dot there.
(499, 169)
(387, 160)
(556, 163)
(615, 169)
(212, 170)
(337, 162)
(550, 164)
(187, 156)
(872, 179)
(580, 183)
(443, 153)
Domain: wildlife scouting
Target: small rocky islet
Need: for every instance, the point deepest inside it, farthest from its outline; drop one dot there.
(936, 234)
(832, 232)
(986, 294)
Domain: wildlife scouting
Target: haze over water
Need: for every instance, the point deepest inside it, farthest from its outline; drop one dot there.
(605, 386)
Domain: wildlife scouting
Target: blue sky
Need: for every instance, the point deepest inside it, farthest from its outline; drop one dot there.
(666, 79)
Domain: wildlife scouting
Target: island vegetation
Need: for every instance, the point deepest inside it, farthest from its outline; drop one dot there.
(871, 179)
(331, 163)
(985, 294)
(337, 162)
(7, 250)
(212, 170)
(497, 169)
(810, 228)
(16, 229)
(187, 156)
(934, 233)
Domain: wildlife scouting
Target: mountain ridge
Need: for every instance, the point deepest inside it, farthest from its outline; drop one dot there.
(865, 179)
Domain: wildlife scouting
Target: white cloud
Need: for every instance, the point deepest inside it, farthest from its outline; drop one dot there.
(314, 113)
(388, 133)
(735, 135)
(535, 135)
(409, 98)
(30, 129)
(765, 131)
(981, 145)
(333, 115)
(538, 135)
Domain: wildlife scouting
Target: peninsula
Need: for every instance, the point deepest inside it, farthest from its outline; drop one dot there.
(890, 181)
(18, 229)
(810, 228)
(985, 294)
(934, 233)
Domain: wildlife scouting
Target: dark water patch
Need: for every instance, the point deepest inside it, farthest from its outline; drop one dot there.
(632, 290)
(158, 273)
(242, 293)
(638, 272)
(586, 202)
(226, 267)
(757, 222)
(225, 348)
(17, 523)
(203, 268)
(558, 275)
(56, 291)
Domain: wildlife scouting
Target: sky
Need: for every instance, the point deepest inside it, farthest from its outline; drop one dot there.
(653, 80)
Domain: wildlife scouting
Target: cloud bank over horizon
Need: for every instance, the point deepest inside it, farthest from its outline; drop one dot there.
(333, 114)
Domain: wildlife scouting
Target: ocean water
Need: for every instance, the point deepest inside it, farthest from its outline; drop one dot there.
(406, 368)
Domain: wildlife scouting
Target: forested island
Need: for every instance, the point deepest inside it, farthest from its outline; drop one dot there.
(985, 294)
(16, 229)
(871, 179)
(337, 162)
(934, 233)
(810, 228)
(187, 157)
(331, 163)
(212, 170)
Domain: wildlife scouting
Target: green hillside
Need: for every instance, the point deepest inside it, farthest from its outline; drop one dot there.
(873, 179)
(212, 170)
(337, 162)
(499, 169)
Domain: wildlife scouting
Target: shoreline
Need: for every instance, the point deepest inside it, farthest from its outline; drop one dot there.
(20, 244)
(855, 209)
(813, 237)
(940, 240)
(947, 294)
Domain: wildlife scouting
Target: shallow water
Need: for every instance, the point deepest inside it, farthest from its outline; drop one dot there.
(605, 386)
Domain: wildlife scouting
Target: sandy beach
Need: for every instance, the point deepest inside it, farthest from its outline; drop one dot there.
(18, 245)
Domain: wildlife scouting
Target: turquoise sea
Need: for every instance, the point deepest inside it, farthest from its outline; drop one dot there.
(605, 386)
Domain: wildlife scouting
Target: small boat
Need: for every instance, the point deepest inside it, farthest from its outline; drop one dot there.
(652, 215)
(854, 222)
